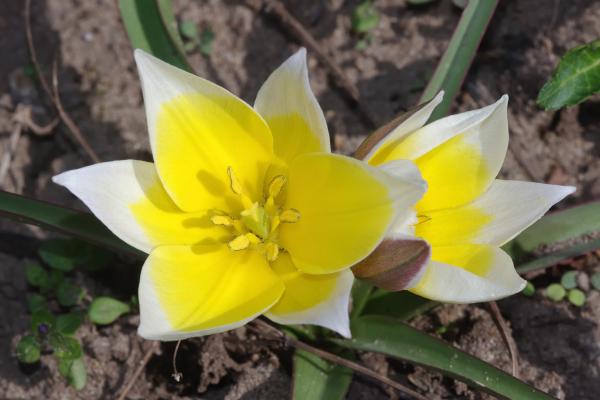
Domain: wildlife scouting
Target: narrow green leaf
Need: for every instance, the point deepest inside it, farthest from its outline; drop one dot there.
(167, 16)
(576, 77)
(147, 31)
(401, 305)
(67, 324)
(81, 225)
(77, 375)
(394, 338)
(105, 310)
(360, 295)
(28, 349)
(461, 50)
(36, 275)
(318, 379)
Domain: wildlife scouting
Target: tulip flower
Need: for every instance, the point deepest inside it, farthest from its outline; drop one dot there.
(244, 211)
(466, 214)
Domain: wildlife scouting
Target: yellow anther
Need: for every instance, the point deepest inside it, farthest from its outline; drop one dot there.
(252, 238)
(275, 221)
(276, 185)
(271, 251)
(221, 220)
(239, 243)
(234, 183)
(270, 207)
(290, 216)
(238, 226)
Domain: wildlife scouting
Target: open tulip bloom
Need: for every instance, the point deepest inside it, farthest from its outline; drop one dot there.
(246, 211)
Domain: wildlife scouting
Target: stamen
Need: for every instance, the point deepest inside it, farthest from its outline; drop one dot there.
(252, 238)
(224, 220)
(276, 185)
(421, 219)
(271, 251)
(275, 221)
(234, 183)
(239, 243)
(290, 216)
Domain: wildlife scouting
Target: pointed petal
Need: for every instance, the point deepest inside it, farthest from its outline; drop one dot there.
(377, 155)
(197, 130)
(200, 290)
(469, 274)
(346, 208)
(290, 108)
(129, 199)
(496, 217)
(312, 299)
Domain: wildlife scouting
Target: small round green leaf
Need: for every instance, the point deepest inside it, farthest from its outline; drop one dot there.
(365, 17)
(569, 280)
(65, 347)
(60, 253)
(42, 321)
(576, 297)
(36, 302)
(77, 375)
(68, 323)
(555, 292)
(36, 275)
(188, 30)
(64, 366)
(68, 294)
(595, 279)
(105, 310)
(529, 289)
(28, 349)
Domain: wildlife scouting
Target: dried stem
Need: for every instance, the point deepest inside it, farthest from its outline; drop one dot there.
(176, 374)
(339, 360)
(506, 337)
(141, 366)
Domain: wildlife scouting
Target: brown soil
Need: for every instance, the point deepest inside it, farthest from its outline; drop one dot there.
(559, 344)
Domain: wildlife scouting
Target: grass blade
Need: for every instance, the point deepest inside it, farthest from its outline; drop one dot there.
(151, 26)
(74, 223)
(457, 59)
(392, 337)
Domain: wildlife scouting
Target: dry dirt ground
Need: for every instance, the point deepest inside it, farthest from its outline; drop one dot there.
(559, 344)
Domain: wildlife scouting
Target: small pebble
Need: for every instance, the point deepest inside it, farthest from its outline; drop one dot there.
(583, 281)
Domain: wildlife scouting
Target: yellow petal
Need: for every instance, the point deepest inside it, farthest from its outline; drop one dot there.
(468, 274)
(459, 156)
(290, 108)
(345, 208)
(128, 197)
(312, 299)
(197, 131)
(193, 291)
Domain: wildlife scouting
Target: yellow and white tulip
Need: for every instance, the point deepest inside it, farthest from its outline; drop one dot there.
(466, 214)
(244, 211)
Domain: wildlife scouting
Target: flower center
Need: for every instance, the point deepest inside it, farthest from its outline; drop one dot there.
(257, 226)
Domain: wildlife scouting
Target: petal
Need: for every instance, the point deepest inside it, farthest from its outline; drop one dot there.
(378, 153)
(197, 130)
(129, 199)
(469, 274)
(188, 291)
(312, 299)
(290, 108)
(346, 208)
(459, 156)
(500, 214)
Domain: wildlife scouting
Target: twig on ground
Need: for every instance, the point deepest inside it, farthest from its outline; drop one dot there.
(176, 374)
(13, 140)
(53, 92)
(289, 341)
(509, 341)
(296, 29)
(141, 366)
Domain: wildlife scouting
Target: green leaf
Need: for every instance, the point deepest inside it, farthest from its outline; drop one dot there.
(28, 349)
(365, 17)
(42, 321)
(318, 379)
(68, 294)
(529, 289)
(206, 41)
(396, 339)
(576, 297)
(65, 347)
(360, 295)
(401, 305)
(457, 59)
(36, 275)
(576, 77)
(36, 302)
(189, 30)
(555, 292)
(62, 254)
(81, 225)
(569, 280)
(105, 310)
(595, 280)
(64, 366)
(152, 31)
(77, 375)
(67, 324)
